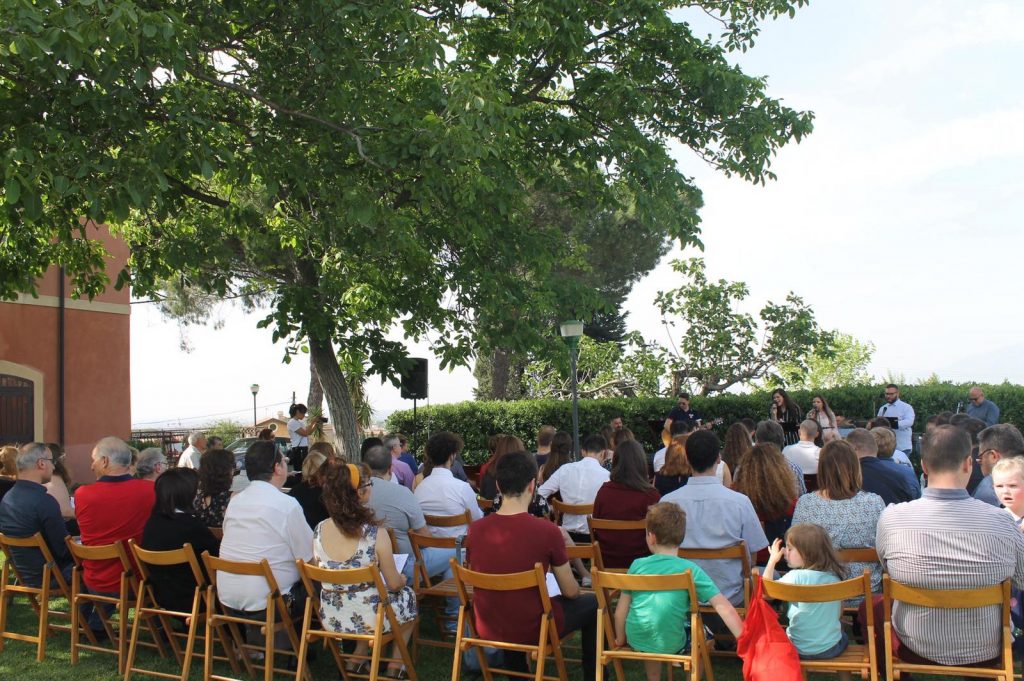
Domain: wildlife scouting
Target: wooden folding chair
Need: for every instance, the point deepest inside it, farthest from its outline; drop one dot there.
(735, 552)
(599, 525)
(120, 603)
(560, 509)
(606, 584)
(432, 592)
(548, 641)
(147, 608)
(857, 657)
(867, 554)
(979, 597)
(52, 585)
(277, 618)
(464, 518)
(377, 640)
(485, 504)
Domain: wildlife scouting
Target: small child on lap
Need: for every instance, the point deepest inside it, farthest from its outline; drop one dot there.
(656, 621)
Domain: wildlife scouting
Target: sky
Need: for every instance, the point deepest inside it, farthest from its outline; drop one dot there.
(899, 219)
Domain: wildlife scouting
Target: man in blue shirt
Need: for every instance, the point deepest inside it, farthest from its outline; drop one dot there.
(891, 481)
(27, 509)
(982, 409)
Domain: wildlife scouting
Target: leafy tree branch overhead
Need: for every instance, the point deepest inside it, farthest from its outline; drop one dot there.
(364, 163)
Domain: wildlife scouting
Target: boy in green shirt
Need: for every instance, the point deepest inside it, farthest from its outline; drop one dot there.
(656, 621)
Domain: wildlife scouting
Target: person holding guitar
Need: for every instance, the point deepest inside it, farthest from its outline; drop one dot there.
(680, 414)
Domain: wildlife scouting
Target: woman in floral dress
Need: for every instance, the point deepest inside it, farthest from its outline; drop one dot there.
(352, 538)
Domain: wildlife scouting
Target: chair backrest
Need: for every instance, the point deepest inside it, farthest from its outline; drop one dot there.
(420, 542)
(36, 542)
(515, 581)
(857, 587)
(186, 555)
(106, 552)
(867, 554)
(976, 597)
(463, 518)
(589, 552)
(484, 504)
(215, 564)
(734, 552)
(616, 525)
(616, 581)
(561, 508)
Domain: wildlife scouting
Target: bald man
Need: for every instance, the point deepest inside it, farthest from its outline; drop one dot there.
(982, 409)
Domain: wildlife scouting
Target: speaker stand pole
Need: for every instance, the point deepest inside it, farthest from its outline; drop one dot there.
(415, 427)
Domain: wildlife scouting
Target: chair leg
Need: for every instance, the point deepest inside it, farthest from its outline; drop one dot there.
(307, 618)
(457, 657)
(130, 659)
(403, 650)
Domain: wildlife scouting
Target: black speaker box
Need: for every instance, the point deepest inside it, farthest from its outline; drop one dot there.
(414, 382)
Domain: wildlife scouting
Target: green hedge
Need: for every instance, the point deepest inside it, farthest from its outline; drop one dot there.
(476, 421)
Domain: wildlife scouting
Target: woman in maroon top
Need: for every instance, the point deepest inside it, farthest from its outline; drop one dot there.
(626, 496)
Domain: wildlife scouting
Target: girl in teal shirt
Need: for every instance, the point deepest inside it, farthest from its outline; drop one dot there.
(814, 628)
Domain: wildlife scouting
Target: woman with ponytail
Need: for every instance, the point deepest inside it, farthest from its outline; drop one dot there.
(351, 537)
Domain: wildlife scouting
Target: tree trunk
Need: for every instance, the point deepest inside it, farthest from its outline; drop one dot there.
(316, 391)
(499, 374)
(339, 401)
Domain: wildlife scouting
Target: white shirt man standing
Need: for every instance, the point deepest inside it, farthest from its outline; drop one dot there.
(578, 482)
(190, 457)
(805, 453)
(895, 408)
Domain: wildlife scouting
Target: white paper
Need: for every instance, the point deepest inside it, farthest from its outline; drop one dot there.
(400, 560)
(552, 584)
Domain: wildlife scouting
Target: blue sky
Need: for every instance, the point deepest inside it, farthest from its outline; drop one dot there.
(899, 219)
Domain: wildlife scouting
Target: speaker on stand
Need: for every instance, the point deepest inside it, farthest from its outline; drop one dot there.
(414, 387)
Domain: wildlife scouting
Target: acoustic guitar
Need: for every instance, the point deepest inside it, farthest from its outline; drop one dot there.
(666, 437)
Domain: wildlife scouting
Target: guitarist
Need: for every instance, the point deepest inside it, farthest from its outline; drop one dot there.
(682, 412)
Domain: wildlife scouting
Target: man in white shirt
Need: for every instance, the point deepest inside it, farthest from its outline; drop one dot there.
(441, 493)
(805, 453)
(895, 408)
(578, 482)
(190, 457)
(263, 522)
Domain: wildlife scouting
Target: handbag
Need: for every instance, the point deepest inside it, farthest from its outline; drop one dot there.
(766, 651)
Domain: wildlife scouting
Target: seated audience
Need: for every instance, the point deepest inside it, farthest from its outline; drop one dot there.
(1008, 478)
(406, 455)
(889, 480)
(881, 424)
(626, 496)
(559, 454)
(503, 444)
(115, 507)
(676, 470)
(544, 436)
(8, 468)
(171, 525)
(995, 443)
(578, 483)
(716, 515)
(196, 446)
(771, 432)
(973, 427)
(403, 473)
(352, 538)
(60, 485)
(947, 540)
(814, 628)
(737, 442)
(679, 428)
(216, 472)
(765, 479)
(848, 513)
(27, 509)
(511, 540)
(263, 522)
(652, 621)
(441, 493)
(151, 464)
(308, 491)
(805, 453)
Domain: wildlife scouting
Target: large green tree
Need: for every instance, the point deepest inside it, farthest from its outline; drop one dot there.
(364, 163)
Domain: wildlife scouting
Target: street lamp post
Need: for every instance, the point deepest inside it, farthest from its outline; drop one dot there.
(255, 388)
(572, 330)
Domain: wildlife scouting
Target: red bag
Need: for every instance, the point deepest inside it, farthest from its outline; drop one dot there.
(767, 653)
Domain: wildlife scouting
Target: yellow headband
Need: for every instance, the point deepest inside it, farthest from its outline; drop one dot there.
(353, 473)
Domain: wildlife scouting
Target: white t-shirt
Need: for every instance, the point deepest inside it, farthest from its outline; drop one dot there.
(297, 440)
(805, 455)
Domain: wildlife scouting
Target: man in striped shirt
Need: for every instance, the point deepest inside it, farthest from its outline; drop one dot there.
(948, 540)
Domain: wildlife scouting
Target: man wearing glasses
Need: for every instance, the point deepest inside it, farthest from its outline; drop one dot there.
(900, 415)
(995, 443)
(982, 409)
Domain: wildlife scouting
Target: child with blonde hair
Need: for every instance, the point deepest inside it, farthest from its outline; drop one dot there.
(814, 628)
(1008, 483)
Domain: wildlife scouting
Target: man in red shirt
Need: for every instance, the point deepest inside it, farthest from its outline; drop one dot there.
(512, 540)
(115, 507)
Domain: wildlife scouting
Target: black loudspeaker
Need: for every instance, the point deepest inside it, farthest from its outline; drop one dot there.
(414, 382)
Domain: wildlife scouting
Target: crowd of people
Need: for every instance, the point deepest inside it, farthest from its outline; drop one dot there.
(794, 487)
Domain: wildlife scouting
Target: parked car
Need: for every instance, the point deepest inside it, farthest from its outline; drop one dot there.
(240, 447)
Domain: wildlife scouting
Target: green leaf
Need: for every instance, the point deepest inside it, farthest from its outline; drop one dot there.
(12, 191)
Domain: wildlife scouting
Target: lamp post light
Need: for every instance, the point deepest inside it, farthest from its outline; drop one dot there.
(255, 388)
(572, 330)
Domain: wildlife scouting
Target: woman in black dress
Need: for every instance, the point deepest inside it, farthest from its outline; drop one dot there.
(216, 471)
(786, 412)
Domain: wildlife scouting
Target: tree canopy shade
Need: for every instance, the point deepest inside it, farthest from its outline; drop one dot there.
(364, 162)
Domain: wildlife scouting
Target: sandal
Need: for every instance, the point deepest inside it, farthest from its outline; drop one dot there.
(400, 673)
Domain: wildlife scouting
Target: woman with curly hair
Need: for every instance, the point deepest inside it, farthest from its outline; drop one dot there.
(767, 480)
(561, 454)
(216, 471)
(737, 443)
(821, 413)
(352, 538)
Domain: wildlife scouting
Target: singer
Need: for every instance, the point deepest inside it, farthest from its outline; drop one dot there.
(895, 408)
